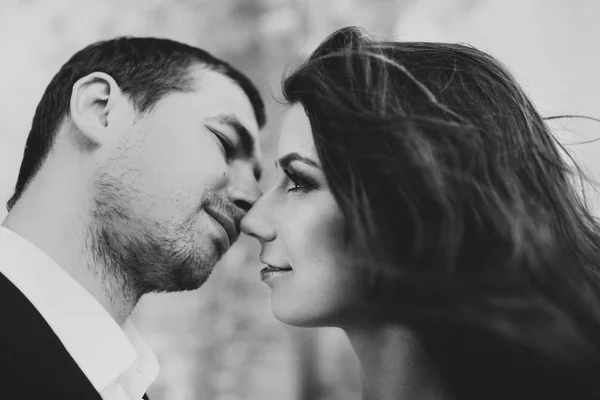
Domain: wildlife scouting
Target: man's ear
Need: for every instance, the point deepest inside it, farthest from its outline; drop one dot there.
(92, 100)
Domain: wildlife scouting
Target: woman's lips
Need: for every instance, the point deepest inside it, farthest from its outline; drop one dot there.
(271, 272)
(272, 268)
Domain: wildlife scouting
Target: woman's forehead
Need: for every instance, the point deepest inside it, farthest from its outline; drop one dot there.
(296, 133)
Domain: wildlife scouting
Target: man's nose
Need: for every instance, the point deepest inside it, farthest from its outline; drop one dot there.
(244, 190)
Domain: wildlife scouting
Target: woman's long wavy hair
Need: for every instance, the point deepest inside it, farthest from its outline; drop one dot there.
(458, 197)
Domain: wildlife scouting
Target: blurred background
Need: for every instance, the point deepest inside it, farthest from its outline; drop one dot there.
(221, 342)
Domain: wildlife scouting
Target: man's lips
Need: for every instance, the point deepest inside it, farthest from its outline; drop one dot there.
(228, 223)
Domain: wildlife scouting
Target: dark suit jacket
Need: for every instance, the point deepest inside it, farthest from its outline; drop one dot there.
(34, 364)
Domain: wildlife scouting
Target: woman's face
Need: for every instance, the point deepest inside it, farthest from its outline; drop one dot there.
(301, 230)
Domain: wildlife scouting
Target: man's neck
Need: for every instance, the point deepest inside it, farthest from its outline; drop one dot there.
(58, 227)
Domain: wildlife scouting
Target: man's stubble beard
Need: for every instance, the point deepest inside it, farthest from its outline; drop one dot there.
(134, 256)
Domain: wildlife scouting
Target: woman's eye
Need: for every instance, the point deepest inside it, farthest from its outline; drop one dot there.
(299, 184)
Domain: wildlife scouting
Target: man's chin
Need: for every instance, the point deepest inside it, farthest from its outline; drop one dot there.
(182, 279)
(192, 283)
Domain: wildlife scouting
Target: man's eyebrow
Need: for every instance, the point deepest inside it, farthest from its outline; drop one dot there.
(285, 161)
(234, 123)
(248, 143)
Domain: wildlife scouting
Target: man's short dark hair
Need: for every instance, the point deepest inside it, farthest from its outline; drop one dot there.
(146, 70)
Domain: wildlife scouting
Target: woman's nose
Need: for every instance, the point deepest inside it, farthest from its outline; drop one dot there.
(258, 223)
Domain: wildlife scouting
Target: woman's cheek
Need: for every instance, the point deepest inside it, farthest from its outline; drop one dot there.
(319, 229)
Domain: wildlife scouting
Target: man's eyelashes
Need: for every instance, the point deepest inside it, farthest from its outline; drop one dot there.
(228, 147)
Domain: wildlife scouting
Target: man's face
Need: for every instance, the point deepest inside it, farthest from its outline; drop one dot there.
(169, 197)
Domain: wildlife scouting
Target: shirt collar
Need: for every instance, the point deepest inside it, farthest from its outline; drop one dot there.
(144, 369)
(101, 348)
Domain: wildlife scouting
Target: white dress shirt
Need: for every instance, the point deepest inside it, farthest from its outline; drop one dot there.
(115, 359)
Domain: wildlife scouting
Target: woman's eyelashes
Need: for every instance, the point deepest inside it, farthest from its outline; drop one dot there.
(299, 182)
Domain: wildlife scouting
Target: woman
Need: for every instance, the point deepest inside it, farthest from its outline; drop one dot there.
(424, 207)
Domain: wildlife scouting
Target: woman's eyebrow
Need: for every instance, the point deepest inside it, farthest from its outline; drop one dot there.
(285, 161)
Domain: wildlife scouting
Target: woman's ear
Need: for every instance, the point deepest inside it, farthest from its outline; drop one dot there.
(92, 100)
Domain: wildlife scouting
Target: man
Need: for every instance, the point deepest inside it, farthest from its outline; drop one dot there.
(140, 163)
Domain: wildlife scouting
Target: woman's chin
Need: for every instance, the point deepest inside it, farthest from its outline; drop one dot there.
(301, 323)
(290, 318)
(302, 318)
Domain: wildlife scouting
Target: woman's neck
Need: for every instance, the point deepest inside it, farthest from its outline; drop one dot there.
(393, 364)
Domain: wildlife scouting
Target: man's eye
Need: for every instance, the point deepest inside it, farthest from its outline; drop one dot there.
(228, 148)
